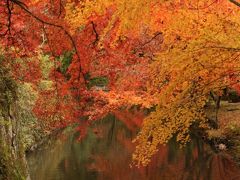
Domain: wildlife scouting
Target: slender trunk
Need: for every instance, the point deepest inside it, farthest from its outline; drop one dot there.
(217, 101)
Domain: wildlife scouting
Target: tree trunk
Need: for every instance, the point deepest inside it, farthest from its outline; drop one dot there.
(217, 101)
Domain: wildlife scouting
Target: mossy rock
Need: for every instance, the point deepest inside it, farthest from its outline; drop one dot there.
(12, 162)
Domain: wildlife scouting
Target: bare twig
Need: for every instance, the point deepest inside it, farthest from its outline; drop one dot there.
(95, 32)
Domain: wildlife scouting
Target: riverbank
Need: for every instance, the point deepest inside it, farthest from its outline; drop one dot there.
(227, 137)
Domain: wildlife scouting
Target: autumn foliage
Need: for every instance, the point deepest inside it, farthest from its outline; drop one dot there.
(107, 54)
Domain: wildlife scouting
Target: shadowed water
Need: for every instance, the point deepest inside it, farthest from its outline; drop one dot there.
(105, 154)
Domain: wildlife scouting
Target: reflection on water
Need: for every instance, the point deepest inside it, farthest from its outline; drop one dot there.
(105, 154)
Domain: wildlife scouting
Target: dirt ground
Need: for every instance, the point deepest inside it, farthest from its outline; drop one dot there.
(228, 115)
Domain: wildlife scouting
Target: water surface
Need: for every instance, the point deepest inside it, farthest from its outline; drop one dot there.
(105, 154)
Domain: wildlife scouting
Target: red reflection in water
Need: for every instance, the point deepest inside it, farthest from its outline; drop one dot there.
(105, 154)
(171, 162)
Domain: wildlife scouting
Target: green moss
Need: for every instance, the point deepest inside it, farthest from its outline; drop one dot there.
(12, 164)
(31, 128)
(9, 168)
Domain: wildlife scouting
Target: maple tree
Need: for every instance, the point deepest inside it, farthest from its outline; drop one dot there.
(200, 55)
(82, 51)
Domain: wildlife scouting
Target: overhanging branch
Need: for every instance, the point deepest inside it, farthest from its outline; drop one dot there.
(24, 8)
(235, 2)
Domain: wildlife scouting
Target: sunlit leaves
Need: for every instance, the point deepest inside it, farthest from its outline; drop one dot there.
(128, 13)
(200, 54)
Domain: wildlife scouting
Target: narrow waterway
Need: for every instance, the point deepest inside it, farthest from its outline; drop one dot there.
(105, 154)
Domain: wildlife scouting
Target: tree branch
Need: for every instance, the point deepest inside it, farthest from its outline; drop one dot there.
(24, 8)
(154, 37)
(235, 2)
(95, 32)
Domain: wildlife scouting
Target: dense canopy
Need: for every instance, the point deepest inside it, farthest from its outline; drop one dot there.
(87, 58)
